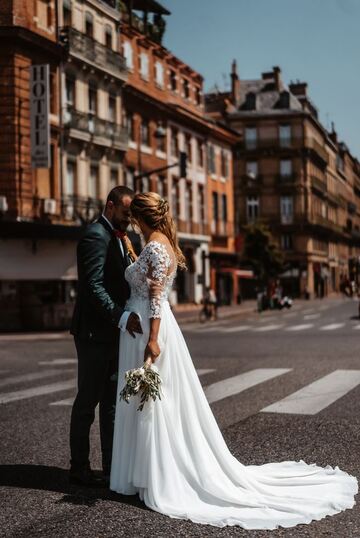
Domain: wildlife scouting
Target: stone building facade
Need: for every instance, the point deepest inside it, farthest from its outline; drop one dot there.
(295, 176)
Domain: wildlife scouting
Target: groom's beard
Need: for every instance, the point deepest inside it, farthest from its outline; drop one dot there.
(121, 225)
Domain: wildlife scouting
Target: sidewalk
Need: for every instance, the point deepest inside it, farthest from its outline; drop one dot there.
(190, 313)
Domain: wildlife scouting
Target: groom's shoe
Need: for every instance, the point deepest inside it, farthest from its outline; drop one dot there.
(86, 478)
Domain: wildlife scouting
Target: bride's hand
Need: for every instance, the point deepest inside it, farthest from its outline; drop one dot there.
(152, 351)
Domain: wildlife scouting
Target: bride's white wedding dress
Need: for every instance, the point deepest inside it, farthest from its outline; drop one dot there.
(173, 454)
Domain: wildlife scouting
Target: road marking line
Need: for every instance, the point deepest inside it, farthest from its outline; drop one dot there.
(30, 377)
(57, 362)
(239, 328)
(33, 336)
(234, 385)
(308, 310)
(36, 391)
(68, 401)
(312, 316)
(318, 395)
(332, 326)
(203, 371)
(268, 328)
(301, 327)
(356, 327)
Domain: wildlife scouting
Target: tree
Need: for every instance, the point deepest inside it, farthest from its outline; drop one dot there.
(262, 252)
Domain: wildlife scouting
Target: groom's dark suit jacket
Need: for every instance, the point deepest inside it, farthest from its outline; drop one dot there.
(102, 288)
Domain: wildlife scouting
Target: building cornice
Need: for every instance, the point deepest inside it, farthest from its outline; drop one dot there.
(22, 38)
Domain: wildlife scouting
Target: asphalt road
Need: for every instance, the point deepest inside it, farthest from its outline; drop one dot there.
(282, 385)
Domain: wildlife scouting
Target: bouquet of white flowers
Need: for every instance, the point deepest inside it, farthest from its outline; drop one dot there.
(145, 381)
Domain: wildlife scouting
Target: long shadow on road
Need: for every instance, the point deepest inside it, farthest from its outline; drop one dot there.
(55, 479)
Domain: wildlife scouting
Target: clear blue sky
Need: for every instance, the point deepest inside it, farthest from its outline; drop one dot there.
(317, 41)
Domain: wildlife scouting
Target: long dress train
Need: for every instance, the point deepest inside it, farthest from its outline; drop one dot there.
(173, 454)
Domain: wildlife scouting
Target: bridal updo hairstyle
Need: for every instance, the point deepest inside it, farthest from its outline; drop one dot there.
(154, 211)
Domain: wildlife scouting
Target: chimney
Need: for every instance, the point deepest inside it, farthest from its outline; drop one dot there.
(277, 77)
(333, 134)
(298, 88)
(235, 85)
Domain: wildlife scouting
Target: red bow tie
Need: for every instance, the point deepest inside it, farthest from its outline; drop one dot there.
(119, 234)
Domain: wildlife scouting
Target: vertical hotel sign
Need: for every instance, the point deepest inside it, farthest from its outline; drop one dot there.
(39, 116)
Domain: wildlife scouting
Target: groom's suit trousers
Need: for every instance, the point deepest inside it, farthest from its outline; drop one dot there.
(97, 363)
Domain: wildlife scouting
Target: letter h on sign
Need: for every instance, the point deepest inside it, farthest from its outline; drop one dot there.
(39, 116)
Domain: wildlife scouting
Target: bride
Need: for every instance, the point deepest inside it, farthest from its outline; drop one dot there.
(172, 453)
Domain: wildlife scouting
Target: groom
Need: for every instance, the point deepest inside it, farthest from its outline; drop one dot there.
(102, 257)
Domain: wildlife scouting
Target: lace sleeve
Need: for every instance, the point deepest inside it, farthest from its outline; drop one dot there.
(155, 264)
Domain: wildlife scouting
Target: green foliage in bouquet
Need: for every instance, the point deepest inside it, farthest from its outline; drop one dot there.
(143, 381)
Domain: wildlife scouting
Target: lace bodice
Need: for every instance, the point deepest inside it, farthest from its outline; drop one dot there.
(151, 276)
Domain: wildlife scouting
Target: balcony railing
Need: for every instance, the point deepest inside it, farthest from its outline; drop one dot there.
(96, 128)
(80, 208)
(324, 222)
(90, 51)
(222, 228)
(249, 180)
(286, 179)
(319, 184)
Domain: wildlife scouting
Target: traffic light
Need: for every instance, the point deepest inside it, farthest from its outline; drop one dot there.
(183, 164)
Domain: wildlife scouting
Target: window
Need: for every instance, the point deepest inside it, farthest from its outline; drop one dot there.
(286, 242)
(112, 108)
(186, 88)
(70, 178)
(252, 170)
(174, 143)
(67, 17)
(188, 148)
(211, 160)
(92, 97)
(285, 136)
(93, 182)
(130, 178)
(224, 207)
(159, 74)
(201, 207)
(160, 138)
(340, 162)
(198, 95)
(145, 184)
(144, 66)
(285, 168)
(162, 187)
(89, 24)
(70, 92)
(130, 126)
(252, 208)
(250, 137)
(128, 55)
(173, 83)
(114, 178)
(108, 36)
(200, 153)
(287, 209)
(188, 202)
(145, 132)
(175, 199)
(215, 206)
(224, 164)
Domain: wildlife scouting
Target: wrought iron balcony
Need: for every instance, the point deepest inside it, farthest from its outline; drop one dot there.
(252, 180)
(101, 132)
(287, 179)
(94, 53)
(80, 208)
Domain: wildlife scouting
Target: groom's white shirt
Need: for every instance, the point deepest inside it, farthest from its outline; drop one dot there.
(124, 318)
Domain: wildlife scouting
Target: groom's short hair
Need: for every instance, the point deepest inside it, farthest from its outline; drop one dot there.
(118, 193)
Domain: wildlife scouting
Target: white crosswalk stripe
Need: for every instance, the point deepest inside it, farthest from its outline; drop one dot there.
(238, 328)
(272, 327)
(8, 397)
(332, 326)
(301, 327)
(318, 395)
(57, 362)
(312, 316)
(234, 385)
(356, 327)
(32, 376)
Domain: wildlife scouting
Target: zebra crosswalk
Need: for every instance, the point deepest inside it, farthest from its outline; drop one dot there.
(312, 398)
(262, 326)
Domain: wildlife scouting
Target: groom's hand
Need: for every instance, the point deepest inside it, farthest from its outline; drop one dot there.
(133, 325)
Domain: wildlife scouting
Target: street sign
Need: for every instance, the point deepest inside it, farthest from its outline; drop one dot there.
(39, 116)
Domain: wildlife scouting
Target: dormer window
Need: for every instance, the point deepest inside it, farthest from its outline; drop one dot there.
(186, 88)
